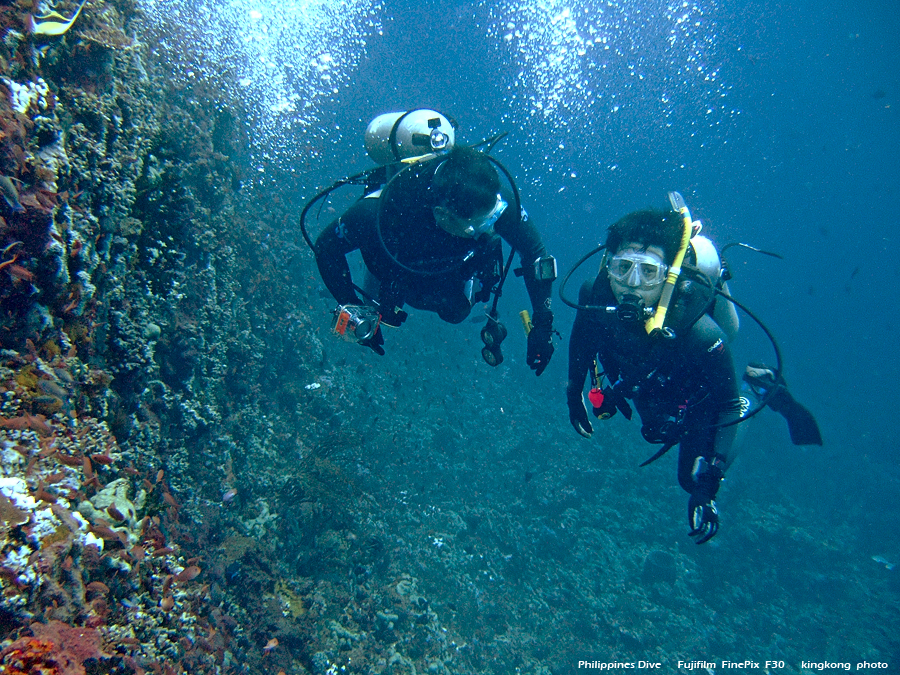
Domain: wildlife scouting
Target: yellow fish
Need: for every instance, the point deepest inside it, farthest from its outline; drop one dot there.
(52, 23)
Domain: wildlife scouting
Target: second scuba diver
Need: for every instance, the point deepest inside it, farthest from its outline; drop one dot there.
(654, 341)
(429, 240)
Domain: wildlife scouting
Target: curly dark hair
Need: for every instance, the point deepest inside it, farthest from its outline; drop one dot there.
(466, 182)
(649, 227)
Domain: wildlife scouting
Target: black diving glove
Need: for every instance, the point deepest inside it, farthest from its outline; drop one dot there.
(375, 342)
(578, 414)
(540, 346)
(393, 317)
(703, 517)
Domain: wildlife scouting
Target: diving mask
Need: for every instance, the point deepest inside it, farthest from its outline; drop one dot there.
(478, 225)
(635, 269)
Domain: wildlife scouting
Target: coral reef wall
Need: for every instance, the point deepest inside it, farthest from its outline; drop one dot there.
(161, 449)
(133, 296)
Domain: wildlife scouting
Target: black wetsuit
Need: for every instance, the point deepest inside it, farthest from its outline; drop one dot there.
(415, 261)
(691, 377)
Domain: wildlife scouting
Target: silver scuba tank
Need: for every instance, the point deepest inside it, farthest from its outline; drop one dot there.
(395, 136)
(708, 262)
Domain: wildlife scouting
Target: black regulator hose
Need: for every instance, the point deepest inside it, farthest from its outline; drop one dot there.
(361, 178)
(562, 286)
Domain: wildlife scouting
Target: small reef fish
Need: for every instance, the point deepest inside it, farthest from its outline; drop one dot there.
(880, 559)
(52, 23)
(10, 194)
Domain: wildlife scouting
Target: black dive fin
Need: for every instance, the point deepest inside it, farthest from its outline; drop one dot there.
(802, 425)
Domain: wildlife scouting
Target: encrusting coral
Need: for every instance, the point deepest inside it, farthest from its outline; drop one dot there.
(56, 649)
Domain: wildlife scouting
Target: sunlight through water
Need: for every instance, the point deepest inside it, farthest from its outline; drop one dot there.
(283, 60)
(582, 59)
(609, 75)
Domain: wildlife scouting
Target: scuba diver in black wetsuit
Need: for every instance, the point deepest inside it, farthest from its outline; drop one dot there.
(430, 238)
(660, 334)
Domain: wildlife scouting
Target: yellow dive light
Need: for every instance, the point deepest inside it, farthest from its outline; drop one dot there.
(526, 321)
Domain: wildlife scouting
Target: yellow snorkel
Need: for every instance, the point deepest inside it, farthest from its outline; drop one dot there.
(655, 322)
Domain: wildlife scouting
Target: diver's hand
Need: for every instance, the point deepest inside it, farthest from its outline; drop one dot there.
(393, 317)
(375, 342)
(703, 517)
(578, 415)
(540, 346)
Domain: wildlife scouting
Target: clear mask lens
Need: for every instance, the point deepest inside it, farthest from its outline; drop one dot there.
(637, 269)
(475, 227)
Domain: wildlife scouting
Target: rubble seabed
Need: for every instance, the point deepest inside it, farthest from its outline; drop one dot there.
(175, 496)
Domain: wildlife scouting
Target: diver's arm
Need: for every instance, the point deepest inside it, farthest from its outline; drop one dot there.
(582, 342)
(714, 360)
(729, 409)
(582, 347)
(704, 457)
(523, 236)
(331, 249)
(581, 354)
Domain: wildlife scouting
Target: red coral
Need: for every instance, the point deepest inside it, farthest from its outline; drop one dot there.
(30, 656)
(56, 649)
